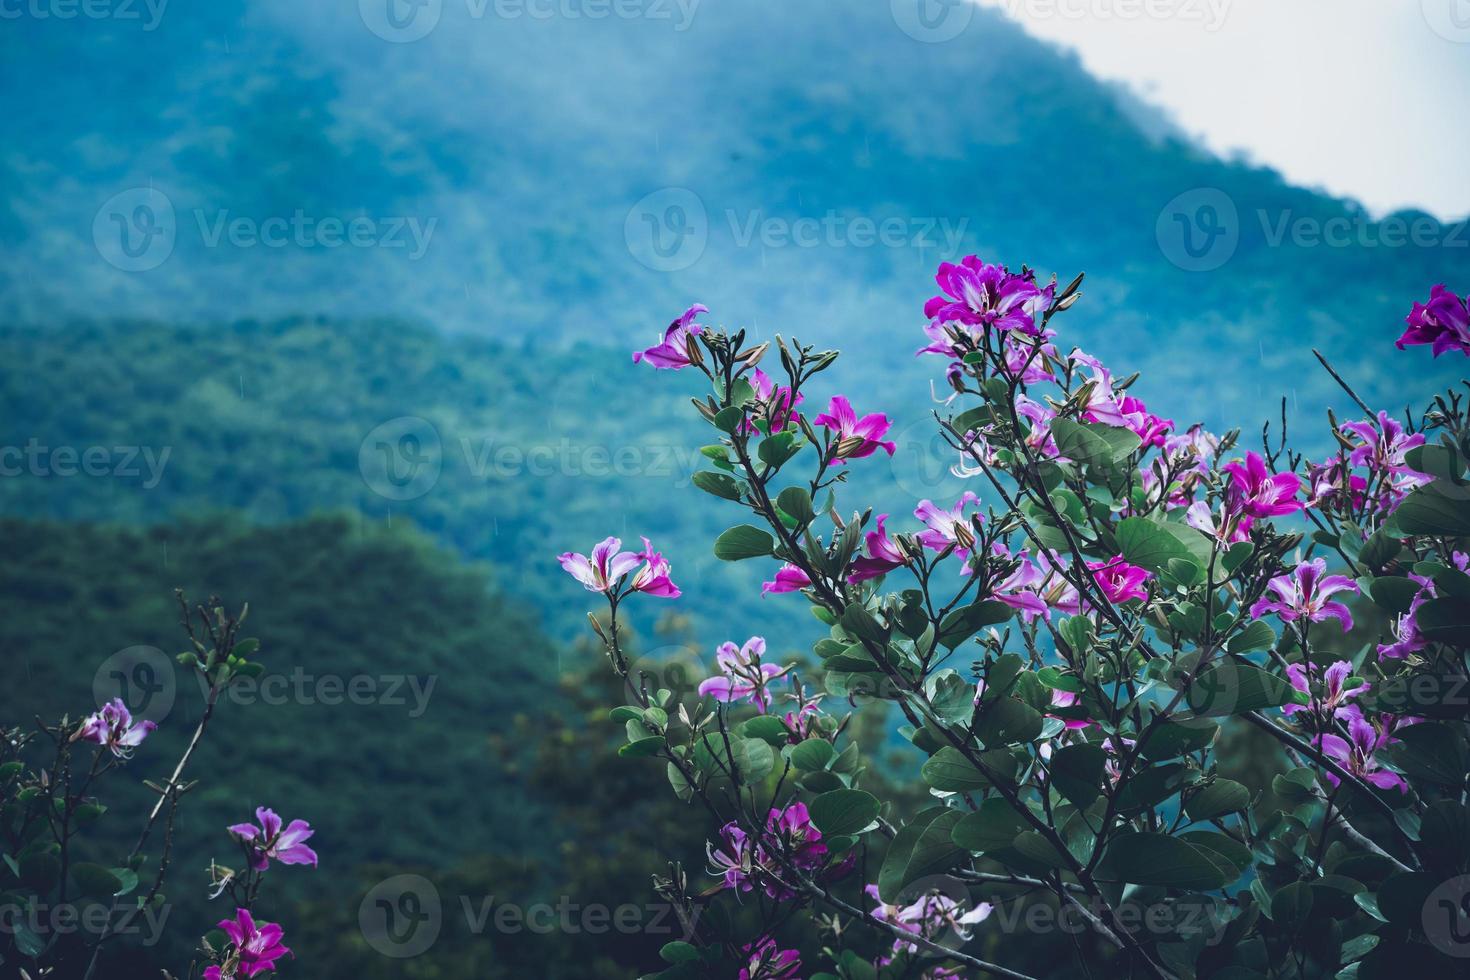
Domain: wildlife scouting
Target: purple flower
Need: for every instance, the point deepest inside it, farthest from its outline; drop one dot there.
(733, 859)
(605, 569)
(1333, 699)
(775, 400)
(766, 961)
(1035, 589)
(1119, 580)
(789, 578)
(1306, 593)
(883, 555)
(1149, 427)
(931, 916)
(856, 437)
(1257, 492)
(113, 726)
(1357, 753)
(678, 343)
(742, 675)
(946, 528)
(1443, 322)
(1380, 448)
(256, 948)
(987, 296)
(1407, 638)
(269, 842)
(1228, 525)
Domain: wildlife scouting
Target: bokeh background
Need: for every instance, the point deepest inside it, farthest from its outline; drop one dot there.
(328, 307)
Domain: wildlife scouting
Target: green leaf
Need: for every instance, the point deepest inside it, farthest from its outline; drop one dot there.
(743, 541)
(1149, 545)
(844, 811)
(812, 754)
(1233, 687)
(1008, 722)
(1076, 772)
(993, 827)
(777, 449)
(1291, 905)
(935, 851)
(1219, 797)
(728, 419)
(896, 861)
(679, 951)
(1158, 859)
(1091, 444)
(767, 728)
(95, 881)
(950, 771)
(1445, 620)
(1257, 636)
(961, 624)
(1441, 508)
(797, 503)
(1429, 751)
(642, 748)
(719, 484)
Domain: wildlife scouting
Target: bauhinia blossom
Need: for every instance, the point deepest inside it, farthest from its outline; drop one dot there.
(675, 350)
(269, 842)
(789, 578)
(932, 915)
(256, 948)
(882, 555)
(977, 294)
(742, 863)
(767, 961)
(607, 566)
(1358, 753)
(775, 400)
(1118, 580)
(1381, 449)
(113, 726)
(947, 528)
(855, 437)
(1257, 492)
(1306, 593)
(742, 674)
(1407, 636)
(1443, 323)
(1333, 699)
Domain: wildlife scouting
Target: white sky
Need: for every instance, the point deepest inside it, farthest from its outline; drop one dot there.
(1368, 99)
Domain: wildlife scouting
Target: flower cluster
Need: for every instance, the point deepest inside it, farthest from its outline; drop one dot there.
(1443, 323)
(606, 570)
(790, 842)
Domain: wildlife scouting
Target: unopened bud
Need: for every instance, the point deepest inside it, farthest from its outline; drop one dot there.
(846, 447)
(753, 356)
(692, 351)
(1072, 286)
(964, 537)
(597, 627)
(1069, 302)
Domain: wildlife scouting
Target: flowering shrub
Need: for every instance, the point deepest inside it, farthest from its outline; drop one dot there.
(48, 799)
(1065, 648)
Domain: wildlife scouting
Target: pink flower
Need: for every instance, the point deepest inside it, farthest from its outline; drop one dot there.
(1407, 638)
(673, 352)
(766, 961)
(789, 578)
(1333, 699)
(1357, 756)
(113, 726)
(1306, 593)
(987, 296)
(931, 916)
(269, 842)
(1443, 322)
(1035, 589)
(1257, 492)
(1149, 427)
(1119, 580)
(946, 528)
(775, 400)
(256, 948)
(856, 437)
(883, 555)
(733, 859)
(1226, 526)
(1381, 450)
(606, 568)
(742, 675)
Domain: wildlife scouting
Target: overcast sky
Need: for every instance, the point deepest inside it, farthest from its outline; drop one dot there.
(1366, 98)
